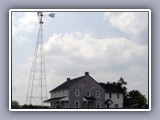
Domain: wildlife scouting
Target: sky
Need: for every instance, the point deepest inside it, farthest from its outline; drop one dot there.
(108, 45)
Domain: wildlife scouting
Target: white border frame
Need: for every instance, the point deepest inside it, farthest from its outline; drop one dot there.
(80, 10)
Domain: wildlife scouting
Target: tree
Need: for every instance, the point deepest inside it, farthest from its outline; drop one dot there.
(130, 98)
(15, 104)
(121, 85)
(138, 98)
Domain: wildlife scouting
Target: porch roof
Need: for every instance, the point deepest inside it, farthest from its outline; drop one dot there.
(90, 98)
(57, 99)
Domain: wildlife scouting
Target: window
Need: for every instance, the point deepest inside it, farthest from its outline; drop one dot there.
(98, 93)
(77, 93)
(98, 104)
(65, 93)
(88, 93)
(76, 104)
(118, 95)
(115, 105)
(110, 95)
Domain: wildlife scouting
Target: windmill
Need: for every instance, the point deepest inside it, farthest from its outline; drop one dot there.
(37, 88)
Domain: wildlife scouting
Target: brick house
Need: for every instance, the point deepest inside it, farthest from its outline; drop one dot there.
(82, 92)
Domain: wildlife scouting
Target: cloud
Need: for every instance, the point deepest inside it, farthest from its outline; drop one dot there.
(20, 39)
(67, 54)
(87, 47)
(71, 54)
(25, 22)
(132, 23)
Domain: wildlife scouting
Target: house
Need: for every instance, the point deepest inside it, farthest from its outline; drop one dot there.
(84, 92)
(81, 92)
(113, 96)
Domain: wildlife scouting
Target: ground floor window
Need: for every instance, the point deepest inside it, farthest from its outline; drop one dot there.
(98, 104)
(115, 105)
(77, 104)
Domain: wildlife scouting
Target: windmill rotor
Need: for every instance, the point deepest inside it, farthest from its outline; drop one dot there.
(41, 15)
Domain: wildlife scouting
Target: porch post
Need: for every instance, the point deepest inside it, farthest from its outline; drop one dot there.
(60, 103)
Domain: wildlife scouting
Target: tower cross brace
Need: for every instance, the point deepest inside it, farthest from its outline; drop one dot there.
(37, 88)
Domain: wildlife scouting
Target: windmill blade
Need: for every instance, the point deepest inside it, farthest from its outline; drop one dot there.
(52, 15)
(45, 14)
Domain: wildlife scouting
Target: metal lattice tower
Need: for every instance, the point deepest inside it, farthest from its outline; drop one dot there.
(37, 88)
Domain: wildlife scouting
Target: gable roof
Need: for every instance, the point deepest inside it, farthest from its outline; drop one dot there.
(67, 84)
(109, 88)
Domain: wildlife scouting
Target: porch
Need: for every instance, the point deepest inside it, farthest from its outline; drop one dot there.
(60, 102)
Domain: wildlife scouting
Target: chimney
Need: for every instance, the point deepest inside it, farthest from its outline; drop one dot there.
(68, 79)
(86, 73)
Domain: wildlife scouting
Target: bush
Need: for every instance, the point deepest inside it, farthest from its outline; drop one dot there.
(15, 105)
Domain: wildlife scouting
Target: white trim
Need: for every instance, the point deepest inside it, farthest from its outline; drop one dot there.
(10, 14)
(83, 10)
(149, 59)
(80, 110)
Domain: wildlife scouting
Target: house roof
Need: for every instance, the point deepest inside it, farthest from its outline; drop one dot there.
(67, 84)
(109, 88)
(108, 101)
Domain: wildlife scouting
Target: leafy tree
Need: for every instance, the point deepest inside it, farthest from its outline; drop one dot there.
(132, 97)
(138, 98)
(15, 104)
(121, 85)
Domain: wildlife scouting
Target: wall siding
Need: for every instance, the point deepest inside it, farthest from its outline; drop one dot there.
(115, 100)
(60, 93)
(83, 85)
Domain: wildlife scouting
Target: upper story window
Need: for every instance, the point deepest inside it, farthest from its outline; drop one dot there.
(98, 93)
(118, 95)
(110, 95)
(76, 92)
(88, 93)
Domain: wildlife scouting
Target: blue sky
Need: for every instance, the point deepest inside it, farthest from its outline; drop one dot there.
(108, 45)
